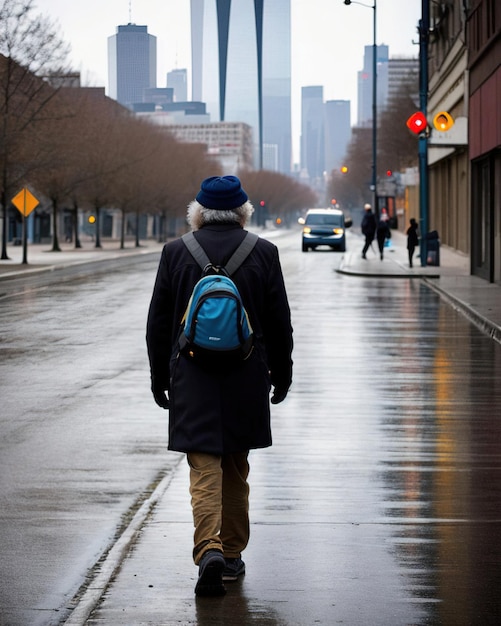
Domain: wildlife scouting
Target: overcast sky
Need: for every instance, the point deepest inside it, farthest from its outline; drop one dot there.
(328, 39)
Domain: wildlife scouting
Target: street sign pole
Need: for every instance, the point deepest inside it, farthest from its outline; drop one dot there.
(25, 240)
(25, 202)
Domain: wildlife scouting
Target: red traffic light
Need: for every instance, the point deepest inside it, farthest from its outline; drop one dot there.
(417, 123)
(389, 173)
(262, 203)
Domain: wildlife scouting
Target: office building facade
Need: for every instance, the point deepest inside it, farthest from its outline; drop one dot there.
(312, 134)
(337, 123)
(365, 84)
(178, 81)
(241, 68)
(132, 64)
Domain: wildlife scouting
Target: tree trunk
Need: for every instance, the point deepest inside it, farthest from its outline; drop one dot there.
(55, 237)
(98, 231)
(5, 211)
(75, 226)
(122, 234)
(137, 230)
(162, 225)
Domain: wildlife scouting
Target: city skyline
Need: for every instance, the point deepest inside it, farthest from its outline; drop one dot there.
(327, 38)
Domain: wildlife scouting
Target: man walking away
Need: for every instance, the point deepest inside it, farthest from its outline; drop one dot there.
(219, 411)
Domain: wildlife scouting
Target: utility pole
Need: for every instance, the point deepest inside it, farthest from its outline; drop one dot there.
(424, 29)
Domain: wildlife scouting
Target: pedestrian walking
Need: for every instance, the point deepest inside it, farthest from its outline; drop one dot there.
(383, 233)
(218, 413)
(368, 227)
(412, 239)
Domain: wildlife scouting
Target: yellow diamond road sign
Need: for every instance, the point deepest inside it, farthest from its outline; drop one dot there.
(25, 202)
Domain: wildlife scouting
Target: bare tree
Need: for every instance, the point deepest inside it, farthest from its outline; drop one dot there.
(30, 49)
(396, 149)
(283, 197)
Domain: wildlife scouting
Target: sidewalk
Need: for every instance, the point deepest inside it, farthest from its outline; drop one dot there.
(41, 258)
(479, 300)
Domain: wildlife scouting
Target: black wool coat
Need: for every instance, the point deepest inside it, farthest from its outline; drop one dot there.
(220, 410)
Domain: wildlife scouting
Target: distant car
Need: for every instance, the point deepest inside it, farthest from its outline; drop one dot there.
(325, 227)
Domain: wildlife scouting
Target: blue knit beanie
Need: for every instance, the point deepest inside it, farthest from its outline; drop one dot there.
(221, 193)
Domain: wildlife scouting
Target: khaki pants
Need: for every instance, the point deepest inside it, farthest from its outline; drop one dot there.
(220, 503)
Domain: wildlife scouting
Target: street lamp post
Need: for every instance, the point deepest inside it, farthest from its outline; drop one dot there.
(374, 104)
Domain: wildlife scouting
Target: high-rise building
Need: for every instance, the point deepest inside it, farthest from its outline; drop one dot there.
(312, 133)
(241, 68)
(337, 121)
(178, 80)
(365, 93)
(132, 63)
(277, 123)
(401, 69)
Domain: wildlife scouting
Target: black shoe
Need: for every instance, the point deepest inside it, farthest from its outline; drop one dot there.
(234, 568)
(363, 256)
(210, 574)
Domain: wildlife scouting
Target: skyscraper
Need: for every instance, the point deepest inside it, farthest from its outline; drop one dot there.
(241, 68)
(337, 132)
(177, 79)
(132, 63)
(365, 84)
(312, 133)
(277, 123)
(401, 70)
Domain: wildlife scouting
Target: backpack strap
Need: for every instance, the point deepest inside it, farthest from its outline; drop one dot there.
(241, 253)
(196, 250)
(236, 260)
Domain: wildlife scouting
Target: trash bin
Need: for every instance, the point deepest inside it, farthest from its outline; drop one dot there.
(432, 243)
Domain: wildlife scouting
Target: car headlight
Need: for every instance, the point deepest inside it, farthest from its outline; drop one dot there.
(338, 231)
(306, 230)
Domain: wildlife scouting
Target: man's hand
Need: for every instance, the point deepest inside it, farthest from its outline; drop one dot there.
(159, 393)
(278, 395)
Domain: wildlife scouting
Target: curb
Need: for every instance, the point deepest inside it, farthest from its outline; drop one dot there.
(37, 269)
(344, 268)
(97, 586)
(482, 323)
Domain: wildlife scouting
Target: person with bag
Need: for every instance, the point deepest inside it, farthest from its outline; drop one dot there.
(383, 233)
(368, 227)
(219, 400)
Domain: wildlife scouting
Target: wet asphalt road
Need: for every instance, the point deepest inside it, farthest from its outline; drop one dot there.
(81, 440)
(379, 503)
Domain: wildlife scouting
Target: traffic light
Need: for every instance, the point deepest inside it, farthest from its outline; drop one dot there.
(389, 173)
(92, 219)
(262, 203)
(443, 121)
(417, 123)
(344, 169)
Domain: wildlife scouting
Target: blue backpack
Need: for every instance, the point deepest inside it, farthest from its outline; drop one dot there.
(215, 324)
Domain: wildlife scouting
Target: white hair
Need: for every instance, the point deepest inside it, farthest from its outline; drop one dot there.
(199, 216)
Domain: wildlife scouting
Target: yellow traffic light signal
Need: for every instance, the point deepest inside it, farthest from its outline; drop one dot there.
(92, 219)
(344, 169)
(443, 121)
